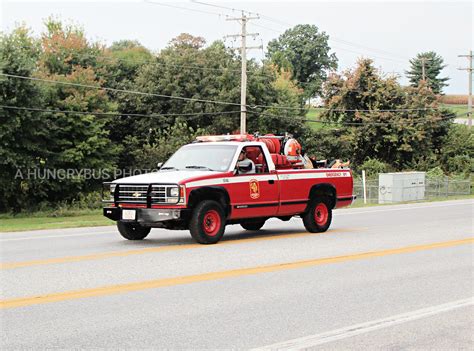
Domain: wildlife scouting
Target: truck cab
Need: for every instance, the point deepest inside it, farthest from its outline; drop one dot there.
(207, 185)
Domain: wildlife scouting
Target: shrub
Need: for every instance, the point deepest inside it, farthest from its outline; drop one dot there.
(373, 167)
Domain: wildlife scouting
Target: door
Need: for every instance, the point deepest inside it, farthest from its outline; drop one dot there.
(254, 193)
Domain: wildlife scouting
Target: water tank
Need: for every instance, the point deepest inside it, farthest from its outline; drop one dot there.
(401, 187)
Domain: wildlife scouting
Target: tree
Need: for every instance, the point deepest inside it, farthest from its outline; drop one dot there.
(304, 50)
(23, 134)
(457, 150)
(396, 125)
(187, 41)
(284, 113)
(434, 64)
(75, 141)
(41, 142)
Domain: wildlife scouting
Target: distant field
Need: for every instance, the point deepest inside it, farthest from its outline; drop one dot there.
(454, 99)
(313, 115)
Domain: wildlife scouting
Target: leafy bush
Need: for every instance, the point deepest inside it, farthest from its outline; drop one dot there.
(435, 173)
(457, 150)
(373, 167)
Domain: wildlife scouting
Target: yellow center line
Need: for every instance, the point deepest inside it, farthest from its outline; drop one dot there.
(104, 255)
(166, 282)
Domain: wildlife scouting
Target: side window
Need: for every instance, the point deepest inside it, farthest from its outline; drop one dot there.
(256, 155)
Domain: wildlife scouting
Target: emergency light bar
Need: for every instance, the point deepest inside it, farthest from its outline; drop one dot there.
(233, 137)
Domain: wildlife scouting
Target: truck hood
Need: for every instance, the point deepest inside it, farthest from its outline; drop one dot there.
(164, 177)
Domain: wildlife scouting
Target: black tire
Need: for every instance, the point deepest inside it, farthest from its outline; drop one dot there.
(132, 231)
(207, 222)
(252, 225)
(318, 217)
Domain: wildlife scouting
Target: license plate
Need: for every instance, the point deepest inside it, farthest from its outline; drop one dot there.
(129, 214)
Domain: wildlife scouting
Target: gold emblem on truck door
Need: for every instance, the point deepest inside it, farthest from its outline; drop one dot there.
(254, 189)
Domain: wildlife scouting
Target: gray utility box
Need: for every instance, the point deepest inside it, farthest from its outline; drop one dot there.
(400, 187)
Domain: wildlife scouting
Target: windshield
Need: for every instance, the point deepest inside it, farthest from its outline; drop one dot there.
(201, 157)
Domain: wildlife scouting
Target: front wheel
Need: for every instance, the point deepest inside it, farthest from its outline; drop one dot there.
(207, 223)
(318, 217)
(132, 231)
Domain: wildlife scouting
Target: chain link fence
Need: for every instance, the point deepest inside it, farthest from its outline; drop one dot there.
(437, 188)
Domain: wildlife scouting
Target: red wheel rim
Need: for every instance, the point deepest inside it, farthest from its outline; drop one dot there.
(321, 214)
(211, 223)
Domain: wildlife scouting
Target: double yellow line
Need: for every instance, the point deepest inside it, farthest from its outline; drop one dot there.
(159, 283)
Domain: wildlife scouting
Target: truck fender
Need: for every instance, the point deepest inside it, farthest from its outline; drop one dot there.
(326, 190)
(216, 193)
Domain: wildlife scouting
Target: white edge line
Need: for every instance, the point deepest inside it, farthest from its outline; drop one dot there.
(357, 329)
(54, 236)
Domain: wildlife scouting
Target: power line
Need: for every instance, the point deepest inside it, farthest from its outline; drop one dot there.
(223, 7)
(338, 47)
(335, 39)
(199, 114)
(185, 8)
(51, 81)
(117, 114)
(396, 57)
(120, 90)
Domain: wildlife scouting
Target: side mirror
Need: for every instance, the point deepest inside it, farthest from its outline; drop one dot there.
(244, 166)
(159, 165)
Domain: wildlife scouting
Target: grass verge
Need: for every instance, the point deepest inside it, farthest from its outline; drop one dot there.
(45, 220)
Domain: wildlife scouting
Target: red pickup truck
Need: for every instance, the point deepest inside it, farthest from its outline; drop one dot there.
(206, 185)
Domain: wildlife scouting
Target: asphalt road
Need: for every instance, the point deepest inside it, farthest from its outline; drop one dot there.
(391, 277)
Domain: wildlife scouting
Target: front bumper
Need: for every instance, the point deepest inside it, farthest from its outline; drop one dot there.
(145, 215)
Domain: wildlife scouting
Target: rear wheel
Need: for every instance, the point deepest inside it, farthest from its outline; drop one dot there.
(252, 225)
(318, 217)
(132, 231)
(207, 223)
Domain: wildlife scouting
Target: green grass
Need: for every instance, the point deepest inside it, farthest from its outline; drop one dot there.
(457, 109)
(48, 220)
(314, 115)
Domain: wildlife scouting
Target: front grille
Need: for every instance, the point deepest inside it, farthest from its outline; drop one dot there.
(132, 193)
(144, 194)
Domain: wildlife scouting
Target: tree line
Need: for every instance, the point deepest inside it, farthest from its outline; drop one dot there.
(74, 104)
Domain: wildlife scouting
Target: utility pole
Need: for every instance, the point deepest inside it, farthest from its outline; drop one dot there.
(469, 99)
(243, 53)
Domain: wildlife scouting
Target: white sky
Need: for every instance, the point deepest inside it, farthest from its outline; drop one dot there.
(397, 30)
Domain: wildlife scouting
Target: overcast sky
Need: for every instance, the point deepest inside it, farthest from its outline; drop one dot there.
(389, 32)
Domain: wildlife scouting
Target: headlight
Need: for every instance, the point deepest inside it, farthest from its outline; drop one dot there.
(112, 189)
(174, 192)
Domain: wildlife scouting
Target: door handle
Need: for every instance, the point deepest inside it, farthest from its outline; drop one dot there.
(271, 181)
